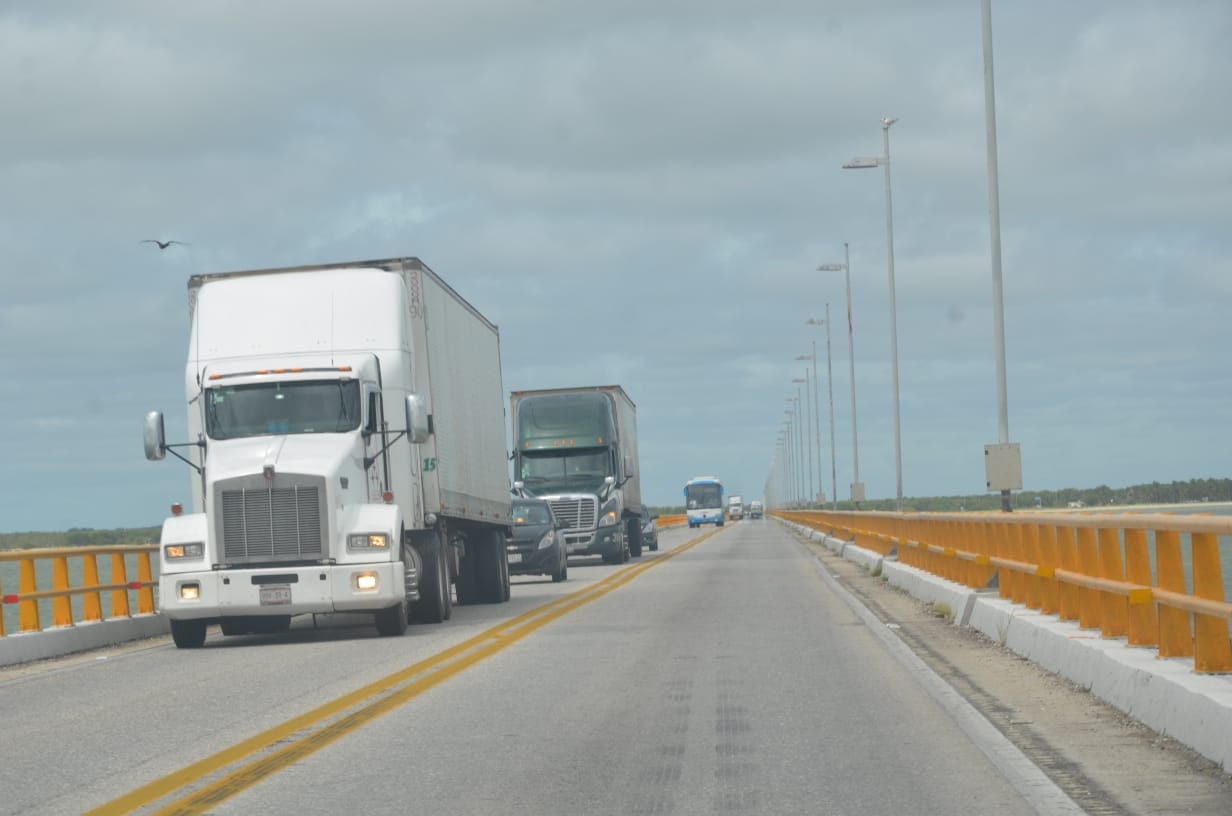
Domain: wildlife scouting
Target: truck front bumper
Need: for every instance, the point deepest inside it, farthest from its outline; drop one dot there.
(604, 541)
(280, 591)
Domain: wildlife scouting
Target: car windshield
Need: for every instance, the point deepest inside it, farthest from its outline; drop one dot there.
(524, 514)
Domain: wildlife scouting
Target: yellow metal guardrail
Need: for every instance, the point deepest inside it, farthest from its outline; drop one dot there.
(82, 563)
(1098, 569)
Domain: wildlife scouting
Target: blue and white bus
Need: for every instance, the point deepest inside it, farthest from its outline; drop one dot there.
(703, 501)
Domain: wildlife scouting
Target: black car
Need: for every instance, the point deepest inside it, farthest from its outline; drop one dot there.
(650, 530)
(537, 546)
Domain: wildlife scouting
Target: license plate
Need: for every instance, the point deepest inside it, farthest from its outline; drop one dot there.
(275, 594)
(515, 558)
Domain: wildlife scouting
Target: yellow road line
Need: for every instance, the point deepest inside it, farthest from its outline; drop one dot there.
(381, 697)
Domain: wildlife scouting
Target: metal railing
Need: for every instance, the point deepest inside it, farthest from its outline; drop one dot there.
(1127, 575)
(73, 590)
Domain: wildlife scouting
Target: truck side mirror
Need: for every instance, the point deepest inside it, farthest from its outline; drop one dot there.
(629, 466)
(155, 437)
(418, 427)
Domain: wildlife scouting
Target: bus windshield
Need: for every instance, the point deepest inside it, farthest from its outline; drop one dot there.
(704, 496)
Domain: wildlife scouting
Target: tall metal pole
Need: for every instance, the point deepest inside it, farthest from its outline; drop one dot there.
(994, 219)
(898, 438)
(809, 424)
(857, 487)
(817, 424)
(800, 440)
(830, 388)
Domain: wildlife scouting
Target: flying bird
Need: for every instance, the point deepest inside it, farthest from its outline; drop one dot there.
(162, 244)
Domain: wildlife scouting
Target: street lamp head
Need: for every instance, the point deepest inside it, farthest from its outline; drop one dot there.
(803, 357)
(815, 321)
(832, 267)
(799, 379)
(862, 162)
(887, 121)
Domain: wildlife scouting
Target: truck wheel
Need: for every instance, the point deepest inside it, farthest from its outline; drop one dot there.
(492, 569)
(188, 634)
(504, 560)
(633, 535)
(465, 582)
(434, 604)
(391, 621)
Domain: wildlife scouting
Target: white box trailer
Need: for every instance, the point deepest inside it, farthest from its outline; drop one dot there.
(577, 449)
(347, 435)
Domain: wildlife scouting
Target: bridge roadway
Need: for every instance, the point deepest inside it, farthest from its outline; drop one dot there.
(741, 671)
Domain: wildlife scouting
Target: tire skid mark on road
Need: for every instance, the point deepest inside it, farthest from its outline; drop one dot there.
(219, 777)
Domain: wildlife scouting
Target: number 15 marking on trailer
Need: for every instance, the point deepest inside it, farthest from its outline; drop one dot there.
(429, 464)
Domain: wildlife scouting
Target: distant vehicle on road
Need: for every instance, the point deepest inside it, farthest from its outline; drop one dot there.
(650, 530)
(755, 509)
(703, 500)
(537, 544)
(735, 508)
(577, 448)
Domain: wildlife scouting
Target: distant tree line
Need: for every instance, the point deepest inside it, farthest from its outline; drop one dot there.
(79, 537)
(1194, 490)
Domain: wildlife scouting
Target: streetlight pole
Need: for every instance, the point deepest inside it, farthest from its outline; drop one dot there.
(817, 417)
(800, 442)
(884, 161)
(797, 441)
(791, 454)
(857, 487)
(819, 321)
(1006, 460)
(809, 431)
(830, 389)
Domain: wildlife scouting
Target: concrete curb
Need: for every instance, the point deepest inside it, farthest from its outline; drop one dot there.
(1163, 694)
(23, 648)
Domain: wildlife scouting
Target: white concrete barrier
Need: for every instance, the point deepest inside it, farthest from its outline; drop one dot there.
(24, 647)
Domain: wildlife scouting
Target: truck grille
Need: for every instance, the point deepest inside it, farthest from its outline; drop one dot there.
(576, 514)
(271, 525)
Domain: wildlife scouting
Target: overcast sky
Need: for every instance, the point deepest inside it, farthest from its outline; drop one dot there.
(638, 193)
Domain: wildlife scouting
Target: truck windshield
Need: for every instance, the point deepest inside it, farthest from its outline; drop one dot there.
(560, 471)
(260, 409)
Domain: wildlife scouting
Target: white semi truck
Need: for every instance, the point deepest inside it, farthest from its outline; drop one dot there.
(577, 449)
(346, 433)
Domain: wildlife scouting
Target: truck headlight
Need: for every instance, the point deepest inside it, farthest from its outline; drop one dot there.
(194, 550)
(368, 541)
(610, 515)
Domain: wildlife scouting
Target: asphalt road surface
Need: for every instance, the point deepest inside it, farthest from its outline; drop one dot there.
(728, 673)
